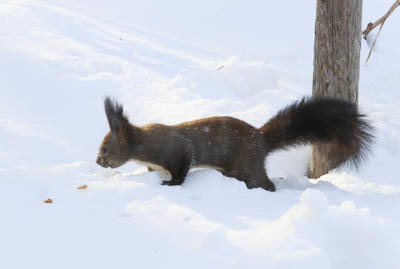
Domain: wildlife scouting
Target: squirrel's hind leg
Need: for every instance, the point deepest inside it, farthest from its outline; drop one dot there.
(261, 182)
(253, 177)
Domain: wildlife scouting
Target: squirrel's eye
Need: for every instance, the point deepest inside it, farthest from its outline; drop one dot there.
(105, 150)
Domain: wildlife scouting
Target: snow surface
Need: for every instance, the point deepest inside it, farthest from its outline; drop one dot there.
(171, 61)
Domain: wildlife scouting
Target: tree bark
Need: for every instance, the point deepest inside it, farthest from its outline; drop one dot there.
(336, 64)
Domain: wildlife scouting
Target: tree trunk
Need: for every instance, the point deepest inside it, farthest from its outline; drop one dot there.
(336, 64)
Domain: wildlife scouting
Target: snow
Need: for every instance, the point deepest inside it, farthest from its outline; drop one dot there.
(171, 61)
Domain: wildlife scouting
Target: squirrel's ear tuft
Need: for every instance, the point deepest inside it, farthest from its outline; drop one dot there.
(115, 115)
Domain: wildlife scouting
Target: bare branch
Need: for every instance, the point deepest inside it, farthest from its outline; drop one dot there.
(373, 44)
(380, 22)
(371, 26)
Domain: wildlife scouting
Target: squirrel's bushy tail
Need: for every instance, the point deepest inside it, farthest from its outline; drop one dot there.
(322, 120)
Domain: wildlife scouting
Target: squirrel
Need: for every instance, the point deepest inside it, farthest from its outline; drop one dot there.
(232, 146)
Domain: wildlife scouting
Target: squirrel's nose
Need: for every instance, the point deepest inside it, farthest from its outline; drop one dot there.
(100, 161)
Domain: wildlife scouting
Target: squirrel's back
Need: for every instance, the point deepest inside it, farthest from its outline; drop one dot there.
(216, 141)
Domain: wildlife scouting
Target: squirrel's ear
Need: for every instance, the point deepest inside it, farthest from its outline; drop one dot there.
(115, 116)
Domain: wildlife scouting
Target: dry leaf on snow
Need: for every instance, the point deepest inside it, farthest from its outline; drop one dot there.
(82, 187)
(48, 201)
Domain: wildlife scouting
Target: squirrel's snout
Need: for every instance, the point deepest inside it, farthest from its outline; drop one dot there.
(100, 161)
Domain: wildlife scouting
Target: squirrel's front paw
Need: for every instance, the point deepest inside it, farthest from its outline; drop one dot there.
(165, 182)
(170, 183)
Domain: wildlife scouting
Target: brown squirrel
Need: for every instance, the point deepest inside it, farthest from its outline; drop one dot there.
(232, 146)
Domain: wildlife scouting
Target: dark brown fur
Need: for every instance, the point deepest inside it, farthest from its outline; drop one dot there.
(230, 145)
